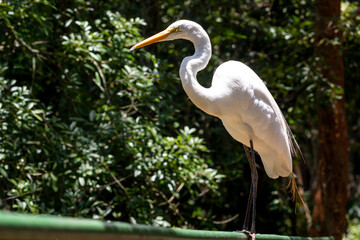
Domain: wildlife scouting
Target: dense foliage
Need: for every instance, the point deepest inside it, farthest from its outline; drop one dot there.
(86, 137)
(90, 129)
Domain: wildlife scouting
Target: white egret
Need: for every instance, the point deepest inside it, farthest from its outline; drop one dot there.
(243, 103)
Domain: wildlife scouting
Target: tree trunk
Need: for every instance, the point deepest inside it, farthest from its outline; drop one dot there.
(331, 193)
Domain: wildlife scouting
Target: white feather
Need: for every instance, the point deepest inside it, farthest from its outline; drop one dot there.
(237, 96)
(240, 99)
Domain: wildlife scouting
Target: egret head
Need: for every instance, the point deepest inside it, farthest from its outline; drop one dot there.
(182, 29)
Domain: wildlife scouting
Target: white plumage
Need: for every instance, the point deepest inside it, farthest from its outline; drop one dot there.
(240, 99)
(249, 112)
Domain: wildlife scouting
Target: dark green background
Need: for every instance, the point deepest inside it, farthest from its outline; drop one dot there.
(79, 111)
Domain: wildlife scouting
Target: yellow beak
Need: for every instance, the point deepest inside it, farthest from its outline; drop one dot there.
(153, 39)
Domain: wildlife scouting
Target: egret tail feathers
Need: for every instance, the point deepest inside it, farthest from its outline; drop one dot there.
(294, 146)
(293, 189)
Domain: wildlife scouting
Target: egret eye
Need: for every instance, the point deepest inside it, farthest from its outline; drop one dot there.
(174, 29)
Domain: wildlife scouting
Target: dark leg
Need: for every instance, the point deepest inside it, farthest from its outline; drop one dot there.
(252, 195)
(254, 182)
(249, 203)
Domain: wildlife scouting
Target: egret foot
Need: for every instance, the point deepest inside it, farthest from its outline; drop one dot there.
(251, 235)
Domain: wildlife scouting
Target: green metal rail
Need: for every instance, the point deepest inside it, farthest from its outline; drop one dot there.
(14, 226)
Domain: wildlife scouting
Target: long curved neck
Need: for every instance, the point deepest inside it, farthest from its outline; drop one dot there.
(190, 66)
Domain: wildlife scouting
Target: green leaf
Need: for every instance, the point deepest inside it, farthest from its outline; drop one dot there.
(81, 181)
(3, 172)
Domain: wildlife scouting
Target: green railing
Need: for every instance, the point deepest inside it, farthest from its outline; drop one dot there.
(16, 226)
